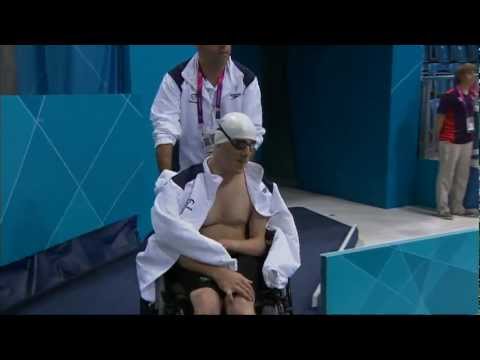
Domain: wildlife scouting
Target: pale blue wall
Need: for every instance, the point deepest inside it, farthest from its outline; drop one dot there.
(433, 275)
(101, 142)
(70, 166)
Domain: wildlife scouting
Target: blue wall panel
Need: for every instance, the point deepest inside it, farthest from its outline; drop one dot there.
(356, 119)
(404, 125)
(434, 275)
(252, 57)
(72, 69)
(149, 64)
(69, 169)
(340, 100)
(72, 164)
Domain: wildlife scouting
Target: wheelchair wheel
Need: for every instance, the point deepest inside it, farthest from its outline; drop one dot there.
(288, 301)
(270, 310)
(175, 305)
(275, 302)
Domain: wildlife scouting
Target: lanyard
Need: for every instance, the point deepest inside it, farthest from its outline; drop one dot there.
(218, 97)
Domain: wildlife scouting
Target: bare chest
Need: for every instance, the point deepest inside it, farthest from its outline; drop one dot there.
(232, 204)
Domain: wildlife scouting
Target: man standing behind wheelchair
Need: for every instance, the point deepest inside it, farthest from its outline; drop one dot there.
(210, 224)
(191, 99)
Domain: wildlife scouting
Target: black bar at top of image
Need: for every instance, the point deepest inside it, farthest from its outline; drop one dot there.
(280, 23)
(166, 32)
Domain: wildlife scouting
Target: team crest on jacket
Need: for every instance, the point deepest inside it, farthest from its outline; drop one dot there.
(189, 204)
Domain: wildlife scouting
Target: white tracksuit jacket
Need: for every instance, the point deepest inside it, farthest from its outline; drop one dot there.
(174, 111)
(181, 206)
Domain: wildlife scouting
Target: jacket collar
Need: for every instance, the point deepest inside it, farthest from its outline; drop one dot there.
(253, 171)
(190, 72)
(212, 181)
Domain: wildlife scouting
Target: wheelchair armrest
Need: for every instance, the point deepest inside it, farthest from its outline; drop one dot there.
(274, 295)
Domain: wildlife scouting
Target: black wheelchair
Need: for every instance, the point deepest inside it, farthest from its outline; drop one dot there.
(172, 299)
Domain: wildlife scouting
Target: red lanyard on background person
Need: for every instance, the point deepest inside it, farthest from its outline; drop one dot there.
(218, 96)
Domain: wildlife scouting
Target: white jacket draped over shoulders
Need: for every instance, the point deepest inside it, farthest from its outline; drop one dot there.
(182, 203)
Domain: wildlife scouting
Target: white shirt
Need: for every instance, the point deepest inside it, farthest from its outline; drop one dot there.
(181, 206)
(174, 111)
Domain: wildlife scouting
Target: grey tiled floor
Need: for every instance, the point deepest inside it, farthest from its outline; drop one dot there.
(377, 225)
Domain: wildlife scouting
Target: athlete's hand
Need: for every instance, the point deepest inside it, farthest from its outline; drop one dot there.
(234, 283)
(227, 244)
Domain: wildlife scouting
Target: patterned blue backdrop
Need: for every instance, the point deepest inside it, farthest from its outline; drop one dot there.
(434, 275)
(72, 69)
(74, 163)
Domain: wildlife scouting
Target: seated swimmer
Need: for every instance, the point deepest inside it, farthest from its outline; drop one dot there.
(233, 222)
(226, 200)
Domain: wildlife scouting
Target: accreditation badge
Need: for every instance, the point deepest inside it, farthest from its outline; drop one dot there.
(470, 124)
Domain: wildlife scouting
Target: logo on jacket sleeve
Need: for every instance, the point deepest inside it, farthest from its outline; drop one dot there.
(189, 204)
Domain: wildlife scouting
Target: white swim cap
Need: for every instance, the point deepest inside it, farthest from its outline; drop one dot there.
(237, 126)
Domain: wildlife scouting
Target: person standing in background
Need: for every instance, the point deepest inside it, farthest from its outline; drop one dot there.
(456, 129)
(8, 70)
(193, 97)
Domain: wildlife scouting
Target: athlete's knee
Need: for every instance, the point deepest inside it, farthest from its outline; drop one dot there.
(206, 301)
(241, 306)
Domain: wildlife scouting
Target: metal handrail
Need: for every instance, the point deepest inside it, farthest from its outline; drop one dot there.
(433, 77)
